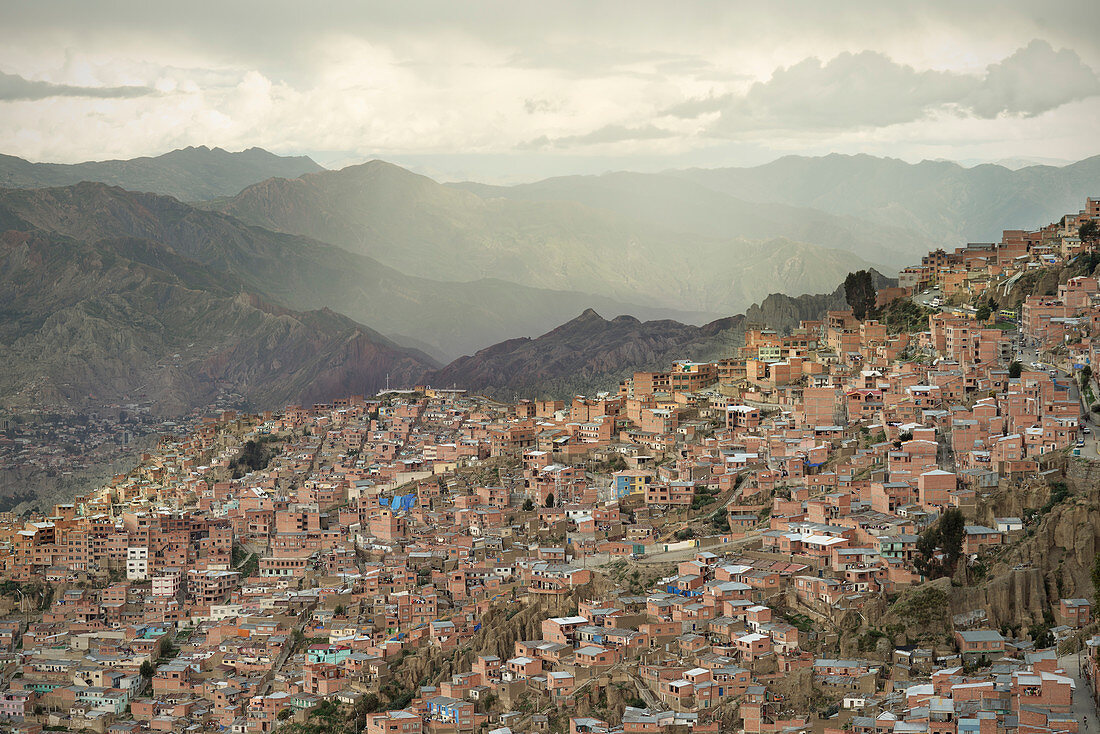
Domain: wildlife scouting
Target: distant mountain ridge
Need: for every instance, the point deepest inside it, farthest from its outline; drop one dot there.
(675, 203)
(943, 201)
(415, 225)
(189, 174)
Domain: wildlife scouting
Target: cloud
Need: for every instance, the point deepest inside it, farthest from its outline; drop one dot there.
(14, 87)
(869, 89)
(605, 135)
(664, 86)
(533, 105)
(693, 108)
(1032, 81)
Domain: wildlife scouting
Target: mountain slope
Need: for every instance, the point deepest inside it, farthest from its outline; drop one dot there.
(949, 204)
(189, 174)
(590, 353)
(117, 320)
(306, 274)
(679, 204)
(416, 225)
(587, 354)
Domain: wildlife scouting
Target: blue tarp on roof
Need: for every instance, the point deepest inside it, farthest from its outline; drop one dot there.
(403, 502)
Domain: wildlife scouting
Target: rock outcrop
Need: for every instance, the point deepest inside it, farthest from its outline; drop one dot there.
(1054, 560)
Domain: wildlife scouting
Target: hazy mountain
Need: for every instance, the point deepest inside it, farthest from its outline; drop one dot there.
(416, 225)
(120, 319)
(305, 274)
(678, 204)
(944, 201)
(189, 174)
(587, 354)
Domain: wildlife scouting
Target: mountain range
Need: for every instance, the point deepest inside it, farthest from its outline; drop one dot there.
(940, 200)
(287, 281)
(306, 274)
(189, 174)
(415, 225)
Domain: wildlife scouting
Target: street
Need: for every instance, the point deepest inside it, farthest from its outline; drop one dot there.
(926, 297)
(1029, 356)
(1082, 705)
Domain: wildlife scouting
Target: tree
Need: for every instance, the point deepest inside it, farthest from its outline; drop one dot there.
(1089, 231)
(720, 521)
(927, 545)
(550, 500)
(952, 532)
(1041, 635)
(1014, 370)
(860, 293)
(528, 505)
(147, 670)
(946, 537)
(486, 703)
(983, 313)
(339, 610)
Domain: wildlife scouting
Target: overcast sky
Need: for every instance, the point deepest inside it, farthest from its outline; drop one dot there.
(503, 91)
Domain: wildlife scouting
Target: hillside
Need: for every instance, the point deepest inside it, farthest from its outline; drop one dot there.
(189, 174)
(587, 354)
(415, 225)
(943, 201)
(121, 319)
(590, 353)
(304, 274)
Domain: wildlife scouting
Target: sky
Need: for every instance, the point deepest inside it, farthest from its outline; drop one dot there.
(516, 91)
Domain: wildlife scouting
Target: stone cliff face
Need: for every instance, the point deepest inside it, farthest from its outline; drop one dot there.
(1054, 560)
(1023, 582)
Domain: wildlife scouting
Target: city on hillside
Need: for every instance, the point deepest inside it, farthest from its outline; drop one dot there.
(874, 523)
